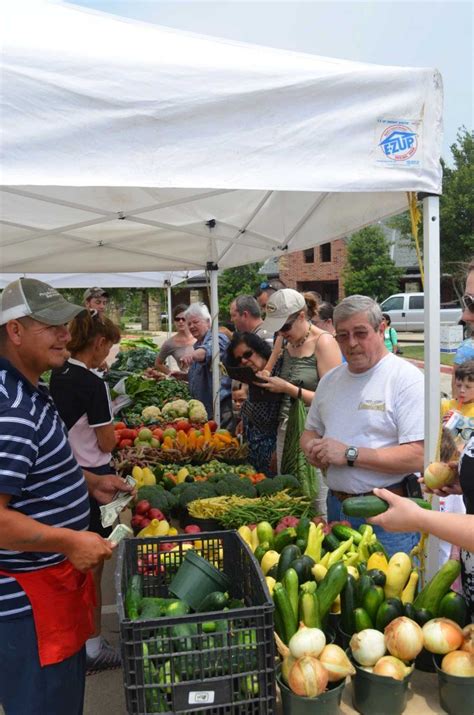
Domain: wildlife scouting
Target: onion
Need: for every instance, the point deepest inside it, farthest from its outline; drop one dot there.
(307, 641)
(404, 638)
(307, 677)
(368, 646)
(286, 666)
(391, 667)
(468, 633)
(459, 663)
(441, 635)
(438, 474)
(336, 663)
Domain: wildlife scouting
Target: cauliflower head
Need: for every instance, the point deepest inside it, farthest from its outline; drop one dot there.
(151, 413)
(176, 408)
(197, 411)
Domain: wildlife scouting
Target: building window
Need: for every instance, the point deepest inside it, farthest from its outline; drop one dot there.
(325, 252)
(309, 255)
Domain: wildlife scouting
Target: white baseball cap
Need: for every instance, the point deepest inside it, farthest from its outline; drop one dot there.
(281, 305)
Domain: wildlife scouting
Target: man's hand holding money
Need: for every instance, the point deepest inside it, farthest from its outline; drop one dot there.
(105, 487)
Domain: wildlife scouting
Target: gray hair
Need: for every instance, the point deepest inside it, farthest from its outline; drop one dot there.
(247, 303)
(358, 304)
(198, 310)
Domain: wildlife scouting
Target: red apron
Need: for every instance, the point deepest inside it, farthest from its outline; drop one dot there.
(62, 599)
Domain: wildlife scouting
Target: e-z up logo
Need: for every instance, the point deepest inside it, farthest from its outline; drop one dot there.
(201, 697)
(398, 142)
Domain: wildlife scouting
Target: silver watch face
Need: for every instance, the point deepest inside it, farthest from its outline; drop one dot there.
(351, 453)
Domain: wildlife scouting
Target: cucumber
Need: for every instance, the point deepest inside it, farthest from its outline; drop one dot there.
(176, 608)
(302, 568)
(422, 616)
(215, 601)
(151, 607)
(284, 538)
(377, 576)
(343, 533)
(373, 597)
(388, 610)
(133, 597)
(302, 531)
(364, 507)
(410, 611)
(330, 587)
(454, 606)
(288, 620)
(308, 610)
(430, 597)
(288, 554)
(331, 542)
(348, 605)
(362, 620)
(363, 584)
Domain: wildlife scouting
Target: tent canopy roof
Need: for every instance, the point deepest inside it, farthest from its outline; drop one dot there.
(133, 147)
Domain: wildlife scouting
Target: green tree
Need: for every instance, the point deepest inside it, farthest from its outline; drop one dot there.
(369, 269)
(237, 281)
(456, 210)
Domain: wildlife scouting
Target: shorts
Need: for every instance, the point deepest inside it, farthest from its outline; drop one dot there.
(95, 523)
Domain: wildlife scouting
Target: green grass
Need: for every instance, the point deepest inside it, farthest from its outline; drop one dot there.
(417, 352)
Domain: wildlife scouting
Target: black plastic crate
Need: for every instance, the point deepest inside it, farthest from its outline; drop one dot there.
(229, 672)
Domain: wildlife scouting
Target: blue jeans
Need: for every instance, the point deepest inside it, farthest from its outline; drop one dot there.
(28, 689)
(393, 541)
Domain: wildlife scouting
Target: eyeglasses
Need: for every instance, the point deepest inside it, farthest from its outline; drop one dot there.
(289, 324)
(467, 302)
(180, 320)
(359, 335)
(245, 356)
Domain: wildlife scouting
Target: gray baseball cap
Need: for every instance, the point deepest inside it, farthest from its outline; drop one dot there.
(27, 297)
(95, 292)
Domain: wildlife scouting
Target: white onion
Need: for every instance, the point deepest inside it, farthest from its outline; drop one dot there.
(368, 646)
(441, 635)
(307, 641)
(459, 663)
(391, 667)
(336, 662)
(286, 666)
(404, 638)
(308, 677)
(468, 634)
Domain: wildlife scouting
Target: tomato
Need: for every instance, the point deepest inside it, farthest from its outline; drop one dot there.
(158, 433)
(192, 529)
(212, 425)
(136, 521)
(142, 507)
(154, 513)
(125, 443)
(120, 425)
(128, 433)
(182, 425)
(168, 546)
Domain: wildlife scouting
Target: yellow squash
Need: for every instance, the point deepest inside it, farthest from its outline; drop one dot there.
(398, 573)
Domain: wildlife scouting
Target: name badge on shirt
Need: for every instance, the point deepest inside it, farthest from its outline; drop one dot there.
(377, 405)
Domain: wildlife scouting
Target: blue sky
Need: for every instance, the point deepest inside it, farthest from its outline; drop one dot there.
(423, 34)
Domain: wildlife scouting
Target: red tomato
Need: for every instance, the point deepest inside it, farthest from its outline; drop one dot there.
(125, 443)
(158, 433)
(168, 546)
(128, 434)
(145, 522)
(142, 507)
(136, 521)
(120, 425)
(182, 425)
(154, 513)
(192, 529)
(212, 425)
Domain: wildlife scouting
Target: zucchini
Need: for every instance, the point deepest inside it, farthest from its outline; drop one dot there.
(273, 571)
(302, 568)
(454, 606)
(422, 616)
(284, 538)
(343, 533)
(377, 576)
(331, 542)
(348, 605)
(308, 610)
(302, 531)
(288, 620)
(398, 573)
(133, 597)
(362, 620)
(373, 597)
(388, 610)
(291, 583)
(215, 601)
(288, 554)
(363, 584)
(330, 587)
(409, 611)
(430, 597)
(365, 507)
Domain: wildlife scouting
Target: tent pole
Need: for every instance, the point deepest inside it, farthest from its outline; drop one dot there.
(432, 351)
(169, 308)
(216, 375)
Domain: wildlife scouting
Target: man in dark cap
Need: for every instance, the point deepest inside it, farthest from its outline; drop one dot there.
(96, 299)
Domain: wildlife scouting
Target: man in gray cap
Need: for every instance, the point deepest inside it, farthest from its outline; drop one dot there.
(96, 299)
(46, 552)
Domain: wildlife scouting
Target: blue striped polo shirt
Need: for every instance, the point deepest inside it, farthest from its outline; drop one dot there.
(39, 471)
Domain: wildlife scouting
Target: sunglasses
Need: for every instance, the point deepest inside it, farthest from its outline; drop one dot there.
(467, 302)
(245, 356)
(180, 320)
(289, 324)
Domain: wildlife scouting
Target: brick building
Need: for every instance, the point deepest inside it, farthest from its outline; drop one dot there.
(319, 268)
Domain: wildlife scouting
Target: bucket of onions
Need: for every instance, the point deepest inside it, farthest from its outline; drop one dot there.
(456, 676)
(381, 681)
(312, 672)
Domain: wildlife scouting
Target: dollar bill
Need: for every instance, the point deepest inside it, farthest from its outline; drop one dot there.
(109, 512)
(121, 531)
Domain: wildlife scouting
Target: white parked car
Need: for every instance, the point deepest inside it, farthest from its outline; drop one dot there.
(406, 311)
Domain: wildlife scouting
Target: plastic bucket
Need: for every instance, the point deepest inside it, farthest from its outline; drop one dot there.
(456, 694)
(327, 703)
(342, 638)
(196, 578)
(377, 694)
(424, 661)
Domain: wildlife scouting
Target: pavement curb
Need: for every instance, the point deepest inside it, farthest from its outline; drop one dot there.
(446, 369)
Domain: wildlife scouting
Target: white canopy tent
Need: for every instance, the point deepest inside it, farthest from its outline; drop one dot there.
(133, 147)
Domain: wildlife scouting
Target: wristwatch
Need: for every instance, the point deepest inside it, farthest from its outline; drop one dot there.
(351, 455)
